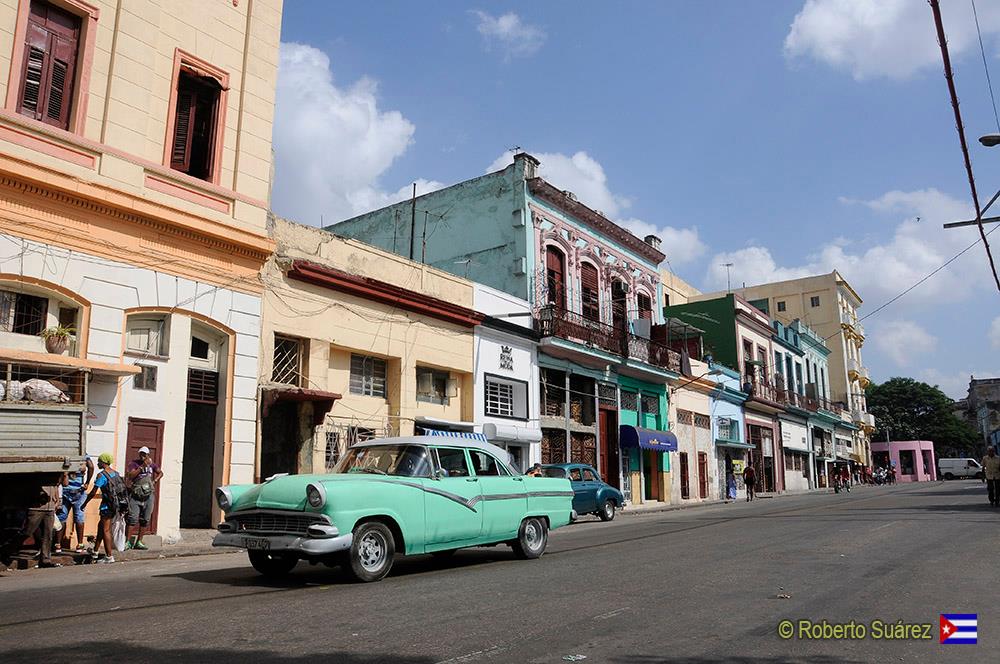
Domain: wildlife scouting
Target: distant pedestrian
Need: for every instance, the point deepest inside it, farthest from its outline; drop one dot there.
(750, 480)
(142, 475)
(892, 474)
(113, 502)
(845, 478)
(73, 494)
(991, 470)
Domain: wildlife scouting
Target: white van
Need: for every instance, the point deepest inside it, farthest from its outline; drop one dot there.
(953, 469)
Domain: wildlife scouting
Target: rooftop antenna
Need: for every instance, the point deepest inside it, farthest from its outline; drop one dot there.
(729, 288)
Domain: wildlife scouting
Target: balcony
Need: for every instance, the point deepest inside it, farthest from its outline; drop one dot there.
(763, 391)
(552, 322)
(852, 322)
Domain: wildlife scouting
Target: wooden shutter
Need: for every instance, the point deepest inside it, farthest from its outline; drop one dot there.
(589, 285)
(187, 100)
(645, 306)
(556, 277)
(50, 52)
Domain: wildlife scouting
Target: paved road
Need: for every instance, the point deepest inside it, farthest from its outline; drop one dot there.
(699, 585)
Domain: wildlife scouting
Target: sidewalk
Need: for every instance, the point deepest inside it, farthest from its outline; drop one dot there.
(653, 508)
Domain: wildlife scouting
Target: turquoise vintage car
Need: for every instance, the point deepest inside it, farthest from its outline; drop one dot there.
(411, 495)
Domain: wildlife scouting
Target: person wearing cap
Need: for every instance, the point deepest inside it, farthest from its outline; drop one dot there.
(141, 475)
(536, 471)
(104, 462)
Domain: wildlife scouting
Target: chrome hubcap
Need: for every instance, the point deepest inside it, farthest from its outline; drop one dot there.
(371, 551)
(609, 509)
(532, 535)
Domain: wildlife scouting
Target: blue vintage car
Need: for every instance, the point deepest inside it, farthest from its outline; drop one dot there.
(591, 494)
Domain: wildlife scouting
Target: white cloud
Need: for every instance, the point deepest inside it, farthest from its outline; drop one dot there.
(995, 332)
(885, 38)
(879, 271)
(510, 34)
(904, 342)
(955, 383)
(584, 176)
(332, 143)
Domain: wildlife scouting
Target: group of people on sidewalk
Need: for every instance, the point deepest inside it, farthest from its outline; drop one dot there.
(60, 510)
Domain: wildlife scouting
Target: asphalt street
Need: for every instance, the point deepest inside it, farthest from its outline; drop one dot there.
(701, 585)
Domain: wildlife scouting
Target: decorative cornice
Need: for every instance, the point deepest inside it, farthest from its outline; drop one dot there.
(598, 222)
(380, 291)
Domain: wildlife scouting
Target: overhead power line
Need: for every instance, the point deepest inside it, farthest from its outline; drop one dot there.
(986, 67)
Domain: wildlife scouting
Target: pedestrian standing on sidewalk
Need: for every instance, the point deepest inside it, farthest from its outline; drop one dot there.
(845, 478)
(74, 493)
(142, 475)
(750, 480)
(41, 520)
(112, 488)
(991, 470)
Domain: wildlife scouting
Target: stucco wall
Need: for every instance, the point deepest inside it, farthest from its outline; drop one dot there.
(481, 221)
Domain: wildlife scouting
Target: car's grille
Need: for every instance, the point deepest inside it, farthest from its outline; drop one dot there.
(274, 522)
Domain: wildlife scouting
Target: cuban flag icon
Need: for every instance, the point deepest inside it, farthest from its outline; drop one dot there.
(959, 628)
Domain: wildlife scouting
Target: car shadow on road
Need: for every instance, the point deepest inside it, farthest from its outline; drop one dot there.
(101, 652)
(305, 574)
(782, 659)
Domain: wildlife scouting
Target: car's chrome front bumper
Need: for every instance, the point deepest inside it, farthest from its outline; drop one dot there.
(331, 541)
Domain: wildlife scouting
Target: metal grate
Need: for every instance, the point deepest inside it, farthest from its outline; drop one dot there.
(287, 361)
(685, 417)
(583, 448)
(650, 404)
(553, 446)
(274, 522)
(499, 399)
(607, 393)
(367, 376)
(630, 400)
(203, 386)
(702, 421)
(28, 383)
(22, 313)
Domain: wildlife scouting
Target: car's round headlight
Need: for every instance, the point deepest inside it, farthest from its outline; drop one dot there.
(316, 495)
(224, 497)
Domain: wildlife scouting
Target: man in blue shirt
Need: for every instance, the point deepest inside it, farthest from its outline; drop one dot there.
(73, 495)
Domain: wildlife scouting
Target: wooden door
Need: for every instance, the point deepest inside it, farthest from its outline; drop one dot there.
(555, 277)
(610, 456)
(702, 475)
(685, 484)
(146, 433)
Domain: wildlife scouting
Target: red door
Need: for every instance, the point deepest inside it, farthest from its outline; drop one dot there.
(702, 475)
(685, 483)
(610, 454)
(146, 433)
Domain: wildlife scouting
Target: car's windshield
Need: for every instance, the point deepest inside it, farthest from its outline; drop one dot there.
(399, 460)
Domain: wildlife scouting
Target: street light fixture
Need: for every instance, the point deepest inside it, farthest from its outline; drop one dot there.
(990, 140)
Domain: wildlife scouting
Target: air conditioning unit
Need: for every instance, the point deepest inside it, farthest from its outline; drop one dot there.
(641, 327)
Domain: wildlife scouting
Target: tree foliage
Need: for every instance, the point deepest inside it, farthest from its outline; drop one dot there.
(907, 409)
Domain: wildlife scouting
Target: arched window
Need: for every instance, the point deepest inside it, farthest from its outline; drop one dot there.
(645, 305)
(589, 292)
(619, 304)
(30, 306)
(555, 277)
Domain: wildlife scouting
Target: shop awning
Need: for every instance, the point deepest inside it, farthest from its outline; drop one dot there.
(322, 401)
(647, 439)
(455, 434)
(721, 442)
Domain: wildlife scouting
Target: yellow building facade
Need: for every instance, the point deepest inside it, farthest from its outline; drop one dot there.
(135, 160)
(357, 343)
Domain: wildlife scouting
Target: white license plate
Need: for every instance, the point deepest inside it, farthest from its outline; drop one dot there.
(256, 543)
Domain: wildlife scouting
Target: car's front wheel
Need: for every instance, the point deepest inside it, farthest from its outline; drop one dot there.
(949, 476)
(271, 565)
(532, 538)
(607, 512)
(371, 552)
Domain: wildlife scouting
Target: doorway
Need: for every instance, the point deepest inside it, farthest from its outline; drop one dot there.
(198, 469)
(279, 440)
(146, 433)
(652, 461)
(610, 456)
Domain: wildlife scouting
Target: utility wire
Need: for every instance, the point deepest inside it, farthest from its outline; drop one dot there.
(982, 50)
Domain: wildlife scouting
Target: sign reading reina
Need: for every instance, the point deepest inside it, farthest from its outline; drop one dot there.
(506, 358)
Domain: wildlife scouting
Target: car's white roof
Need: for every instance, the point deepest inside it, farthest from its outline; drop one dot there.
(440, 441)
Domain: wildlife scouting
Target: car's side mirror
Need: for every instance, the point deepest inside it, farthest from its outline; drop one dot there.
(439, 473)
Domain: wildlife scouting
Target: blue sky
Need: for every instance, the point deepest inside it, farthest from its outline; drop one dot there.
(788, 137)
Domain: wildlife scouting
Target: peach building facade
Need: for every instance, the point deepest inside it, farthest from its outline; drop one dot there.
(135, 162)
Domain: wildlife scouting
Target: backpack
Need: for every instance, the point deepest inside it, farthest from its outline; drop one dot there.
(142, 487)
(114, 494)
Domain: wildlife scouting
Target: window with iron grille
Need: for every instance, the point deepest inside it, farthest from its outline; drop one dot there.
(22, 313)
(146, 380)
(332, 454)
(728, 429)
(288, 353)
(357, 435)
(650, 404)
(630, 400)
(685, 417)
(499, 399)
(607, 393)
(702, 421)
(367, 376)
(203, 386)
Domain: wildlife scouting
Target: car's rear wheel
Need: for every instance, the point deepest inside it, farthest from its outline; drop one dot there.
(532, 538)
(371, 551)
(272, 565)
(607, 512)
(949, 476)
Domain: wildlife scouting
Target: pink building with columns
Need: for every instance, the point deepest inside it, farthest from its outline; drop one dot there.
(913, 460)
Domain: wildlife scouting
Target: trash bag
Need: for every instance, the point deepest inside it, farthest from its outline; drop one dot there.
(16, 391)
(37, 389)
(118, 533)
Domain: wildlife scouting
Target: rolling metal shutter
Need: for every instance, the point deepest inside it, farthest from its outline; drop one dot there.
(45, 432)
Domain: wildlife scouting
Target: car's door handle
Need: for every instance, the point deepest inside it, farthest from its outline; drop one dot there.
(518, 479)
(471, 479)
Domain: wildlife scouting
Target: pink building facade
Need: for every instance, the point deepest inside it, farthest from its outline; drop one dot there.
(913, 460)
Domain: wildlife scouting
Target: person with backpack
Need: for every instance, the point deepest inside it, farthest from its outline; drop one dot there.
(114, 501)
(750, 481)
(142, 475)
